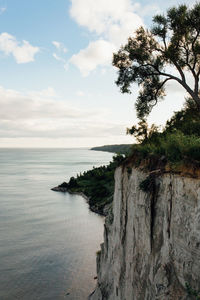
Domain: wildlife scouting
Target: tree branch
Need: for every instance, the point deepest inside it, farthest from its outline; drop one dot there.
(163, 83)
(193, 43)
(180, 71)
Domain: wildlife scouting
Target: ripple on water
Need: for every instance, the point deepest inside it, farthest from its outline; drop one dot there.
(48, 240)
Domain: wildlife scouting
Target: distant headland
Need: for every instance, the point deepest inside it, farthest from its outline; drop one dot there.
(122, 148)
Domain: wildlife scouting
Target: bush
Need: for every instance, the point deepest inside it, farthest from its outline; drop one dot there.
(175, 147)
(178, 142)
(192, 292)
(147, 185)
(97, 184)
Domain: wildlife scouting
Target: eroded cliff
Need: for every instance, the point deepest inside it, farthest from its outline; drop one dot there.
(151, 240)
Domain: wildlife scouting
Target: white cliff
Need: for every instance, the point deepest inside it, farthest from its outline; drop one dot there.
(151, 240)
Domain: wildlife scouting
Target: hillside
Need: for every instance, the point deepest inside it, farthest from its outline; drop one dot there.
(122, 148)
(96, 185)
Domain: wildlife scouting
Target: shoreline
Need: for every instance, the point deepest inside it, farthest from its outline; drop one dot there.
(92, 208)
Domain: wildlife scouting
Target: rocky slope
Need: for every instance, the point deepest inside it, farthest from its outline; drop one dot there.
(151, 240)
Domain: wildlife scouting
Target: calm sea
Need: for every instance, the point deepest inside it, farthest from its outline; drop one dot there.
(48, 240)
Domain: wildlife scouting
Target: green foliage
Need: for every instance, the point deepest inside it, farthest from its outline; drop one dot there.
(174, 40)
(192, 292)
(178, 142)
(97, 184)
(187, 120)
(118, 159)
(142, 132)
(121, 149)
(147, 184)
(72, 183)
(175, 147)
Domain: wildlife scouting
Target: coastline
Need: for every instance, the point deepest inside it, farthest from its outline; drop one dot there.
(92, 208)
(96, 186)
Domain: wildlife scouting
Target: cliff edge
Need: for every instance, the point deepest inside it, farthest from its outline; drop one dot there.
(151, 239)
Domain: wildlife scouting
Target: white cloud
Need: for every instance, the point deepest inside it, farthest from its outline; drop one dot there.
(149, 9)
(61, 51)
(63, 60)
(97, 53)
(47, 93)
(22, 52)
(25, 53)
(57, 57)
(56, 44)
(99, 17)
(119, 33)
(113, 21)
(35, 105)
(59, 46)
(2, 10)
(43, 114)
(66, 65)
(80, 93)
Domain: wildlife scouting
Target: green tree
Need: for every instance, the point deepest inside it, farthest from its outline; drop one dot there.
(187, 120)
(142, 132)
(173, 41)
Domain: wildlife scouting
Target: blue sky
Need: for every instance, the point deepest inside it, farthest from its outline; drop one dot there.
(57, 84)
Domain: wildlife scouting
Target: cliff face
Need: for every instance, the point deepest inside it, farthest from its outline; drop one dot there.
(152, 241)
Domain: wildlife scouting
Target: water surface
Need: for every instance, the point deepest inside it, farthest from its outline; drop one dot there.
(48, 240)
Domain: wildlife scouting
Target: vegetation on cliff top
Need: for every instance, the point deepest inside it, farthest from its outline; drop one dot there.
(178, 143)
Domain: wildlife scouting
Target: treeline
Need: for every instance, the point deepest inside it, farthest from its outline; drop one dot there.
(121, 149)
(96, 184)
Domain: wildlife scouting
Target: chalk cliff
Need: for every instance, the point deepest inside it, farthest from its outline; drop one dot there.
(151, 240)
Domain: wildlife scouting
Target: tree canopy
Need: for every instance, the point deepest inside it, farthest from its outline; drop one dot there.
(173, 41)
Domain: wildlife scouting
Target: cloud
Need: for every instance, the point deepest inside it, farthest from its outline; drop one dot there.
(146, 10)
(98, 18)
(56, 44)
(119, 33)
(46, 93)
(80, 93)
(111, 21)
(57, 57)
(59, 46)
(2, 10)
(22, 52)
(35, 105)
(53, 129)
(43, 114)
(61, 50)
(171, 3)
(97, 53)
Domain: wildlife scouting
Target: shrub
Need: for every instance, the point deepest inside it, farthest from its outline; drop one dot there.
(192, 292)
(174, 146)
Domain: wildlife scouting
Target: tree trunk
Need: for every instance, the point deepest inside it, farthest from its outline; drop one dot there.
(197, 101)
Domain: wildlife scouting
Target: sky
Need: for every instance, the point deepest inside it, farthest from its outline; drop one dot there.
(57, 85)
